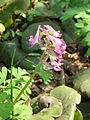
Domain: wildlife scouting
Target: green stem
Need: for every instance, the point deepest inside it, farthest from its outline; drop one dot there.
(12, 75)
(33, 75)
(12, 79)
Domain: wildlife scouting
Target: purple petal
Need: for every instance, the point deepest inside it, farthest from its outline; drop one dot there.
(59, 44)
(57, 68)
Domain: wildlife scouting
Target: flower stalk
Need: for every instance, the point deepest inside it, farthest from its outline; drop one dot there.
(29, 81)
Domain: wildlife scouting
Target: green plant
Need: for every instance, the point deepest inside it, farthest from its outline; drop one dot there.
(11, 87)
(82, 18)
(21, 77)
(83, 25)
(53, 48)
(62, 102)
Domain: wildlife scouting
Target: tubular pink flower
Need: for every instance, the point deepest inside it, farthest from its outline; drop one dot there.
(52, 31)
(33, 41)
(56, 65)
(54, 44)
(53, 65)
(58, 43)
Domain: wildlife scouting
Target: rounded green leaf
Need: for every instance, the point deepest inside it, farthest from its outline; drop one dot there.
(82, 81)
(85, 87)
(80, 77)
(69, 98)
(5, 110)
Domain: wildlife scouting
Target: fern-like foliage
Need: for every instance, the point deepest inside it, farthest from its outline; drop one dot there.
(81, 14)
(46, 75)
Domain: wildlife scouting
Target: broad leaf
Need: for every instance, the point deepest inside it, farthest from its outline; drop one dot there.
(82, 80)
(6, 52)
(39, 117)
(54, 110)
(3, 96)
(53, 12)
(5, 107)
(65, 95)
(69, 31)
(5, 110)
(69, 98)
(85, 87)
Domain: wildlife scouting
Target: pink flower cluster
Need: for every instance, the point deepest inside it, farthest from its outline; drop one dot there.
(54, 46)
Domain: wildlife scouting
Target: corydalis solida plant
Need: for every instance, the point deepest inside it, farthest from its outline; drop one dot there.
(54, 46)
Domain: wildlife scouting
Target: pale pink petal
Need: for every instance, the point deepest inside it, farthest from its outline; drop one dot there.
(33, 41)
(48, 66)
(57, 68)
(57, 43)
(46, 58)
(53, 32)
